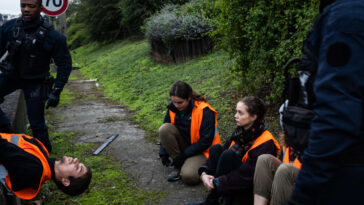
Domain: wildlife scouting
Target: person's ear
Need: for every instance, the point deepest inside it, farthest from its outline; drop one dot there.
(65, 181)
(255, 117)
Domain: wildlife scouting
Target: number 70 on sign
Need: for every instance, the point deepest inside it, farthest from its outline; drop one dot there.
(54, 7)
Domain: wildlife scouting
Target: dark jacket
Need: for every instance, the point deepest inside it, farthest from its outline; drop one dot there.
(183, 124)
(242, 178)
(54, 47)
(337, 134)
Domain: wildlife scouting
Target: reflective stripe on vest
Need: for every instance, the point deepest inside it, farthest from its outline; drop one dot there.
(3, 171)
(295, 163)
(196, 119)
(263, 138)
(28, 193)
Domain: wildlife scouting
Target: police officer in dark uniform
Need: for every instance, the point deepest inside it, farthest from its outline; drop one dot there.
(27, 45)
(333, 162)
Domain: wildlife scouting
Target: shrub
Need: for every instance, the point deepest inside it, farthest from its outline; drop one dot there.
(262, 35)
(172, 24)
(77, 35)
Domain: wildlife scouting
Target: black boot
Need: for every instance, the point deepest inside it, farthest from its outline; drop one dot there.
(174, 176)
(211, 199)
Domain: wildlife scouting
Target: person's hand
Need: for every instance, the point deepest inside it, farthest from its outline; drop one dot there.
(165, 160)
(207, 181)
(53, 98)
(178, 161)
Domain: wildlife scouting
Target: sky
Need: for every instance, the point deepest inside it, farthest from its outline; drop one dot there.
(10, 7)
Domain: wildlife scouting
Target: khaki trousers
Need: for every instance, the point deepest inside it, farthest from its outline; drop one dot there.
(175, 144)
(273, 179)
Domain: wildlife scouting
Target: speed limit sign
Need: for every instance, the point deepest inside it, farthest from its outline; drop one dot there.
(54, 7)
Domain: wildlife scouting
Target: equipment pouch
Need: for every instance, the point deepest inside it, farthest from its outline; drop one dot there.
(296, 125)
(5, 66)
(48, 86)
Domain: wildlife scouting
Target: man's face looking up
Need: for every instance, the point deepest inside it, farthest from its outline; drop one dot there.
(30, 10)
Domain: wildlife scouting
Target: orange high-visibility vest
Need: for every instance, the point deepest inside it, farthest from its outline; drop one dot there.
(196, 119)
(18, 139)
(295, 162)
(264, 137)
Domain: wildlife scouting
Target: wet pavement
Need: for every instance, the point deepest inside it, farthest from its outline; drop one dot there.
(94, 118)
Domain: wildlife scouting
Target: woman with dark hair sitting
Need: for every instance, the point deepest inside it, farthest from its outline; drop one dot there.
(188, 131)
(229, 171)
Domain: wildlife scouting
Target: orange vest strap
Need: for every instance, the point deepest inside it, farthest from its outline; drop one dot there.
(295, 162)
(264, 137)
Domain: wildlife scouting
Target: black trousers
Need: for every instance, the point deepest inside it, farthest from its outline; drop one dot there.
(222, 162)
(35, 102)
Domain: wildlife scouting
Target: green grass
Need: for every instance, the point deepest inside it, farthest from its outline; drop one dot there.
(128, 75)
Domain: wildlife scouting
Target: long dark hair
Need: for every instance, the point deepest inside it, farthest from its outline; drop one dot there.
(184, 91)
(255, 106)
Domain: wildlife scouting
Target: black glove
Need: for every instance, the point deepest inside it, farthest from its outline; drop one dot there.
(178, 161)
(53, 98)
(165, 160)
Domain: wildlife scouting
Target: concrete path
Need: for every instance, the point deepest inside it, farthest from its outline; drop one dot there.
(95, 118)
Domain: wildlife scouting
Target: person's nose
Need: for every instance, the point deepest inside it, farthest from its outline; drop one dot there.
(26, 8)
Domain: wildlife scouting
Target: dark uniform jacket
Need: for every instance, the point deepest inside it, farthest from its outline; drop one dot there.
(54, 46)
(333, 163)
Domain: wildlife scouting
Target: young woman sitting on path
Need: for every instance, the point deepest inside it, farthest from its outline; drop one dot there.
(275, 178)
(229, 171)
(188, 131)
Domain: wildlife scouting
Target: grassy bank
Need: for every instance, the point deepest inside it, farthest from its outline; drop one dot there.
(130, 77)
(109, 185)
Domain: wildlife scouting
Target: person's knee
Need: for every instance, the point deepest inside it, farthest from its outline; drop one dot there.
(189, 176)
(284, 171)
(265, 158)
(165, 129)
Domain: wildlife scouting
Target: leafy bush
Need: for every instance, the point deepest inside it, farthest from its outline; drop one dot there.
(172, 24)
(78, 35)
(262, 35)
(108, 20)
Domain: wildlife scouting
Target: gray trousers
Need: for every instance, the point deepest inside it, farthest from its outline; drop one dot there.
(174, 144)
(273, 179)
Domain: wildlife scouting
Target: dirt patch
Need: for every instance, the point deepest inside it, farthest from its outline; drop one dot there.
(96, 118)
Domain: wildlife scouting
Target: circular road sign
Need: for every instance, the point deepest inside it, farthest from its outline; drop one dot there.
(54, 7)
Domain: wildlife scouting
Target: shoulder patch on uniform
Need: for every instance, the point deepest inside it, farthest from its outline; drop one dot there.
(338, 54)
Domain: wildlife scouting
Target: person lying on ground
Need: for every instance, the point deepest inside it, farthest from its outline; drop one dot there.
(188, 131)
(274, 178)
(25, 165)
(228, 173)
